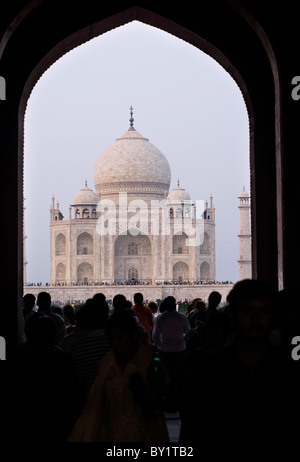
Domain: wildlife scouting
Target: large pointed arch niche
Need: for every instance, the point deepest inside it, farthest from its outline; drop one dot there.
(212, 66)
(224, 30)
(140, 14)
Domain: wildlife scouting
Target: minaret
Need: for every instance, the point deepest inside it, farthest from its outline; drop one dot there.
(244, 261)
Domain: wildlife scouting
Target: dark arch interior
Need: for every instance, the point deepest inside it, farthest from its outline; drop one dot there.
(228, 31)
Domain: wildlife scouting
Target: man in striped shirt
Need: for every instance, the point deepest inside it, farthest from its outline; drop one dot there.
(88, 352)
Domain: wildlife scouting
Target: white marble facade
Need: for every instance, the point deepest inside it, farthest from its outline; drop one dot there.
(132, 226)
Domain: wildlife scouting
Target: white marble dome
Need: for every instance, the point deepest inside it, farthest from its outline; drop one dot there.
(178, 195)
(86, 196)
(134, 165)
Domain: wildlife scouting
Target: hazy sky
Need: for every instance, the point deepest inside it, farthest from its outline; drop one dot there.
(184, 102)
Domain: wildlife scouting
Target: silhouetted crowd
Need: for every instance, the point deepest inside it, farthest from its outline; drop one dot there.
(89, 374)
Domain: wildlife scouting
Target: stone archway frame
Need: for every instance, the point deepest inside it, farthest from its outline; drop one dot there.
(143, 15)
(28, 48)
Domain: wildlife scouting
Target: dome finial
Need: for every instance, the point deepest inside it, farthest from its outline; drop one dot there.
(178, 182)
(85, 182)
(131, 120)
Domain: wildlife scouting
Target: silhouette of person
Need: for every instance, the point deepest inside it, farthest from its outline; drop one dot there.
(215, 336)
(88, 351)
(99, 298)
(28, 304)
(143, 313)
(79, 331)
(154, 308)
(69, 317)
(247, 384)
(34, 405)
(114, 411)
(168, 336)
(198, 313)
(44, 305)
(120, 303)
(214, 300)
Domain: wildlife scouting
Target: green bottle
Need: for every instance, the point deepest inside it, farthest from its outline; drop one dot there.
(156, 375)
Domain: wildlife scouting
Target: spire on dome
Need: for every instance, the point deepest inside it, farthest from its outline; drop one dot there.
(85, 183)
(131, 120)
(178, 182)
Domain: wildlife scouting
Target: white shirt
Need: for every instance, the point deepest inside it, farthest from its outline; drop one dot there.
(169, 330)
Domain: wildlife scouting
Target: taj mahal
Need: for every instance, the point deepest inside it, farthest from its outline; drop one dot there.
(132, 227)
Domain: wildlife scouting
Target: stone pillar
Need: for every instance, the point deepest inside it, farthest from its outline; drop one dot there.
(244, 261)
